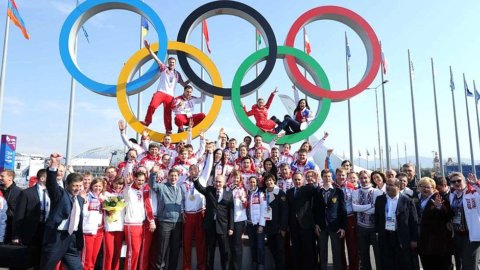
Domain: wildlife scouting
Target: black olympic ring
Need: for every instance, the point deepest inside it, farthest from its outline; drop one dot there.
(236, 9)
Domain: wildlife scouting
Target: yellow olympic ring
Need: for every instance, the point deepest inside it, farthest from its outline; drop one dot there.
(142, 56)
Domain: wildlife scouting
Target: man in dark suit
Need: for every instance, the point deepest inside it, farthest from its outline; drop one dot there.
(218, 220)
(396, 224)
(31, 213)
(63, 237)
(276, 216)
(300, 222)
(330, 213)
(10, 193)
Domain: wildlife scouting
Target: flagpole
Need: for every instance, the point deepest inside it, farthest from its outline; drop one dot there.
(348, 104)
(388, 154)
(374, 159)
(4, 67)
(417, 160)
(469, 130)
(201, 67)
(476, 106)
(460, 169)
(367, 157)
(406, 161)
(139, 95)
(436, 118)
(71, 105)
(398, 157)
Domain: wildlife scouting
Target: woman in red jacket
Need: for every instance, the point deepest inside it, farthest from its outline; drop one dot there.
(260, 113)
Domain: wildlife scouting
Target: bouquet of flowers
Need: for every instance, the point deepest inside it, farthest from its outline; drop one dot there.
(114, 205)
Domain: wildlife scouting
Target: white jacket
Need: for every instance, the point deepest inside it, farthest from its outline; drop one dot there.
(92, 214)
(471, 209)
(256, 207)
(114, 226)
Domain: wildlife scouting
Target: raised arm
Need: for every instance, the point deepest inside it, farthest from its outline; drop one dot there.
(154, 56)
(270, 98)
(296, 96)
(318, 145)
(54, 190)
(199, 187)
(205, 171)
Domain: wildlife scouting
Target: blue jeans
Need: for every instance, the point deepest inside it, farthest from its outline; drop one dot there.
(257, 244)
(290, 125)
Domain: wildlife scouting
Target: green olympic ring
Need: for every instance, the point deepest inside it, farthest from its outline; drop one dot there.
(304, 60)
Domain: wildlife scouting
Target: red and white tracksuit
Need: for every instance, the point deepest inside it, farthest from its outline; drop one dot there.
(183, 109)
(149, 161)
(137, 211)
(92, 230)
(285, 184)
(265, 150)
(164, 95)
(246, 174)
(194, 210)
(113, 238)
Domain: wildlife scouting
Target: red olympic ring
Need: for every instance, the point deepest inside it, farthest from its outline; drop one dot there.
(360, 26)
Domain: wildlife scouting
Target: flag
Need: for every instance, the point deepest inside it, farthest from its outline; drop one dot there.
(384, 63)
(259, 38)
(85, 34)
(452, 84)
(467, 92)
(477, 95)
(144, 24)
(368, 153)
(347, 48)
(374, 151)
(308, 48)
(14, 15)
(205, 35)
(359, 153)
(412, 70)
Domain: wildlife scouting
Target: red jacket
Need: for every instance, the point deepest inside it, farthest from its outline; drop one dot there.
(261, 115)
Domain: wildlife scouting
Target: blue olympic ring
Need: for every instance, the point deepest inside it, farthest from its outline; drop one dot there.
(85, 11)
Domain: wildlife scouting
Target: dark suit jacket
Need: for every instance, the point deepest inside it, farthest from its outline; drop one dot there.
(27, 216)
(223, 210)
(407, 220)
(300, 207)
(279, 220)
(60, 209)
(11, 195)
(335, 211)
(435, 238)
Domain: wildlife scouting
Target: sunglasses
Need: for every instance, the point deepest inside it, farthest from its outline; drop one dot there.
(455, 181)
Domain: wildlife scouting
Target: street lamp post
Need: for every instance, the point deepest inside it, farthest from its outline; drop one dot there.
(378, 120)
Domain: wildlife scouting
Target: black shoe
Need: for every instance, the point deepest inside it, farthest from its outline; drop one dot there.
(180, 130)
(276, 120)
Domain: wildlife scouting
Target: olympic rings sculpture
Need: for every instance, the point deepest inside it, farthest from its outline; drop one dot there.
(319, 91)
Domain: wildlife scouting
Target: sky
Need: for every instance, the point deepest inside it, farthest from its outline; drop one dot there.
(37, 85)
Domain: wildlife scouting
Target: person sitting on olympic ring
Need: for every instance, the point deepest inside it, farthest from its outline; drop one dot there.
(302, 115)
(165, 91)
(183, 108)
(260, 113)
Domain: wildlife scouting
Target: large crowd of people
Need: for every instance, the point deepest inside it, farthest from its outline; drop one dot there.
(165, 197)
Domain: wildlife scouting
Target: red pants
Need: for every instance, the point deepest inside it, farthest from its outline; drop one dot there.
(157, 99)
(133, 237)
(112, 248)
(352, 248)
(91, 248)
(149, 247)
(182, 119)
(192, 228)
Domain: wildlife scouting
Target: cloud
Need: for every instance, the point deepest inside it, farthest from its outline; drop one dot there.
(15, 105)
